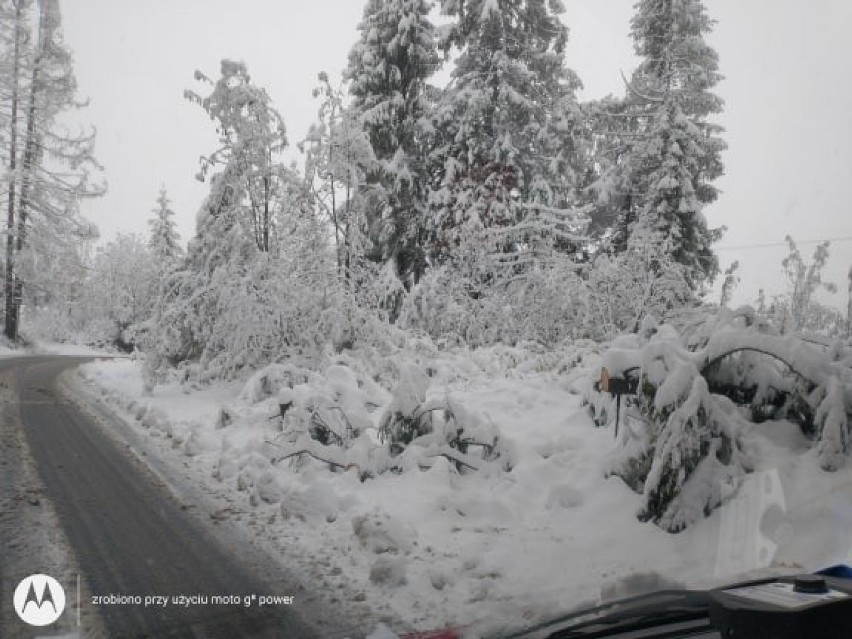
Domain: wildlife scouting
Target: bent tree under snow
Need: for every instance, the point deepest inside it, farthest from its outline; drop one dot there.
(699, 388)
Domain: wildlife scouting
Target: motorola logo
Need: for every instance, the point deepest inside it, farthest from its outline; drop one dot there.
(39, 600)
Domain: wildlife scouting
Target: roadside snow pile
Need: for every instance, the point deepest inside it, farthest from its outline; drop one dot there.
(695, 395)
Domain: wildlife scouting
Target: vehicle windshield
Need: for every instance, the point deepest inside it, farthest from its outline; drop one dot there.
(370, 318)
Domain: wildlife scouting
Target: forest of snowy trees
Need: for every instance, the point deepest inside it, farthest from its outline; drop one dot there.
(497, 208)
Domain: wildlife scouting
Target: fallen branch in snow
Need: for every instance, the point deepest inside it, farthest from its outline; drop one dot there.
(718, 358)
(424, 410)
(310, 453)
(454, 458)
(808, 363)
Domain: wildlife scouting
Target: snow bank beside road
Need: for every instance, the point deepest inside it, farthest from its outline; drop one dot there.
(57, 348)
(430, 546)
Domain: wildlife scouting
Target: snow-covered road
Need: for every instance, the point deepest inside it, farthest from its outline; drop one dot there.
(151, 565)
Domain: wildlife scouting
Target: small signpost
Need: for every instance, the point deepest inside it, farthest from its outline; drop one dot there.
(617, 386)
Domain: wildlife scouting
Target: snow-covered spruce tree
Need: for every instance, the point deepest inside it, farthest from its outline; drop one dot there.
(38, 69)
(663, 174)
(16, 34)
(164, 240)
(685, 457)
(504, 146)
(506, 152)
(388, 71)
(610, 127)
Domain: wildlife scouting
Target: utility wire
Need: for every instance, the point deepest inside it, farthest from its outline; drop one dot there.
(745, 247)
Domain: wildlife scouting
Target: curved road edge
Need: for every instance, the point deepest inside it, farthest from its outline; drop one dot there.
(75, 424)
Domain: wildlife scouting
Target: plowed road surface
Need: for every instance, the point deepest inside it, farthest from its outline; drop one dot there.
(127, 533)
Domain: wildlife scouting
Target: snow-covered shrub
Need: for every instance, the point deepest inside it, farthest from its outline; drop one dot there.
(444, 306)
(415, 427)
(330, 410)
(693, 390)
(270, 379)
(474, 307)
(620, 291)
(684, 425)
(798, 309)
(698, 460)
(329, 420)
(404, 419)
(834, 423)
(476, 300)
(378, 533)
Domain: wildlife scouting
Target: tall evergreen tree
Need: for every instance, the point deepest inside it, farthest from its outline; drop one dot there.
(506, 156)
(664, 174)
(164, 240)
(41, 195)
(388, 72)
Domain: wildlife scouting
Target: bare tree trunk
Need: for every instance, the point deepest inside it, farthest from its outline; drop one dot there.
(266, 214)
(31, 149)
(849, 307)
(11, 328)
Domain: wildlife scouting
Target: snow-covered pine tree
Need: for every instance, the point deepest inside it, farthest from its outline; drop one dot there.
(40, 74)
(663, 175)
(505, 156)
(164, 240)
(388, 71)
(611, 127)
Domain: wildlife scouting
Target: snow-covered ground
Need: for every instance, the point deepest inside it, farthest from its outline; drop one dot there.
(430, 547)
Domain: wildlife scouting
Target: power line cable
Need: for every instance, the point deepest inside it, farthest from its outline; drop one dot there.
(747, 247)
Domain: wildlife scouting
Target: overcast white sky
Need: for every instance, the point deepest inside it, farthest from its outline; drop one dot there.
(788, 66)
